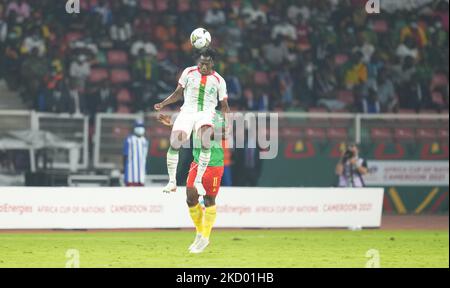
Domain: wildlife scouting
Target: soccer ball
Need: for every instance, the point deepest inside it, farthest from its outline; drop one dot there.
(200, 38)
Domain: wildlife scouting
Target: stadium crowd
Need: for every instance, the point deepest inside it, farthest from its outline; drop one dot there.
(283, 55)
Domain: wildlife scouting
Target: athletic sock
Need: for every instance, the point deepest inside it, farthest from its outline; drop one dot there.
(172, 164)
(208, 222)
(197, 217)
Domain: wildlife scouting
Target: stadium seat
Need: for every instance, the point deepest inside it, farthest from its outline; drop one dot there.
(381, 134)
(204, 5)
(346, 97)
(407, 111)
(147, 5)
(98, 75)
(123, 109)
(439, 80)
(437, 98)
(337, 134)
(183, 5)
(117, 58)
(124, 96)
(291, 133)
(443, 134)
(341, 59)
(73, 36)
(404, 134)
(261, 78)
(426, 134)
(380, 26)
(161, 5)
(119, 76)
(315, 133)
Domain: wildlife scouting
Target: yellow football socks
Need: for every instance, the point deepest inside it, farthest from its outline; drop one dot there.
(197, 217)
(208, 222)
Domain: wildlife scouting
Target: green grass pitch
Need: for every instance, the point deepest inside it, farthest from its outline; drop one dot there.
(235, 249)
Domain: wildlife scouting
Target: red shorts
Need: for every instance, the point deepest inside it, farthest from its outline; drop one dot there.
(211, 179)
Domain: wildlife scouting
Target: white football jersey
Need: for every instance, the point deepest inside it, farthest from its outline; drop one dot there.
(201, 92)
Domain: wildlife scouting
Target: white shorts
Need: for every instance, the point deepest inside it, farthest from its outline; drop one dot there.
(193, 121)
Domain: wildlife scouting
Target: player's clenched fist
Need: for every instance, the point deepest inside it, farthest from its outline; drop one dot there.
(159, 106)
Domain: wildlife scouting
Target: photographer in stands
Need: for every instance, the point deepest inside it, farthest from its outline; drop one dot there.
(351, 168)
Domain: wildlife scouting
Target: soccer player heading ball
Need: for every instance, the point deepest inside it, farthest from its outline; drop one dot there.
(201, 88)
(204, 220)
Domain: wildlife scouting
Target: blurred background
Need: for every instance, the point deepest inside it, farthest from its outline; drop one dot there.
(71, 86)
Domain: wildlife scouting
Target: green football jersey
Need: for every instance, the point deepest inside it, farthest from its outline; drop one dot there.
(217, 153)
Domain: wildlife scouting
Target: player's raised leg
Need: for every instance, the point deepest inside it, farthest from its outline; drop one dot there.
(180, 135)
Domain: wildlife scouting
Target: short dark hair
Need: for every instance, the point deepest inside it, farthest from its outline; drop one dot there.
(207, 52)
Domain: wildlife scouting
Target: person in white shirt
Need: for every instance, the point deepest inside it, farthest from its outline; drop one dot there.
(201, 88)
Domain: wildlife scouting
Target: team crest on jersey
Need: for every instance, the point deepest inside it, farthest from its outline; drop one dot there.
(212, 90)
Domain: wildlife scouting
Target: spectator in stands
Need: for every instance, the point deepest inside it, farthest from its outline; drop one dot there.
(356, 73)
(80, 69)
(371, 104)
(215, 16)
(34, 69)
(407, 49)
(351, 168)
(386, 93)
(312, 34)
(21, 8)
(121, 32)
(276, 53)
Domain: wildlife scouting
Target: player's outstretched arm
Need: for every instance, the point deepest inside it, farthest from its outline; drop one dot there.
(173, 98)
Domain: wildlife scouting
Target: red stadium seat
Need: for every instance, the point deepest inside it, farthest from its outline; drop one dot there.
(119, 76)
(161, 5)
(315, 133)
(73, 36)
(147, 5)
(439, 80)
(123, 109)
(204, 5)
(124, 96)
(337, 134)
(341, 59)
(404, 134)
(261, 78)
(381, 134)
(117, 58)
(291, 133)
(438, 98)
(380, 26)
(425, 134)
(407, 111)
(98, 75)
(346, 96)
(183, 5)
(443, 134)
